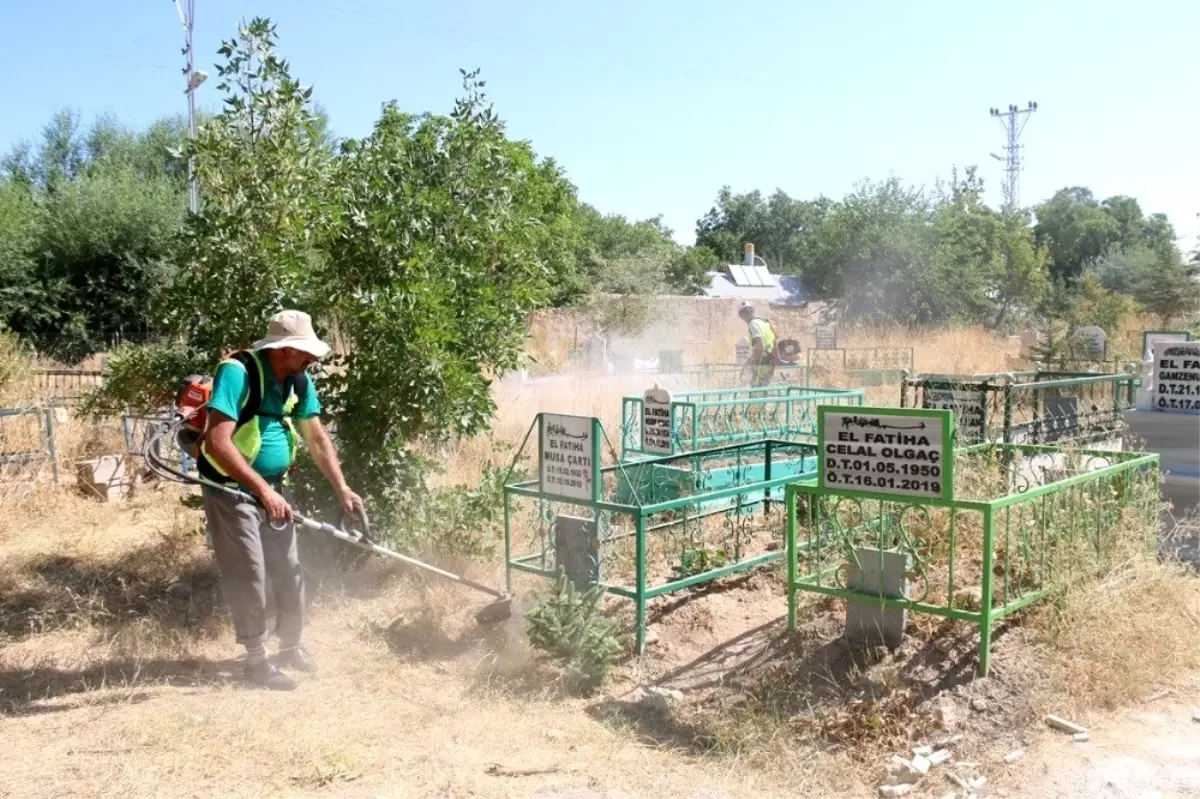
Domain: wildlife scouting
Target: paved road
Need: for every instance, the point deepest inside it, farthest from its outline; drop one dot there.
(1176, 438)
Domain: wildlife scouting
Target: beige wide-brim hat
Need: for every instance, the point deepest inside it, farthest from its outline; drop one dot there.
(292, 329)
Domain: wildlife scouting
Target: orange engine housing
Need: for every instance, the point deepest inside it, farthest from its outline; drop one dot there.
(192, 402)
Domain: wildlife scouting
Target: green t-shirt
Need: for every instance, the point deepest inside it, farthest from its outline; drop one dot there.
(230, 391)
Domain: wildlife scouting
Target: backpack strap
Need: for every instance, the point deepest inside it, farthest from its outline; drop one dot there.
(255, 383)
(299, 384)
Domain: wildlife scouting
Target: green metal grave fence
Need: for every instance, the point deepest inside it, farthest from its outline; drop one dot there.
(715, 417)
(657, 526)
(1014, 531)
(1038, 407)
(866, 366)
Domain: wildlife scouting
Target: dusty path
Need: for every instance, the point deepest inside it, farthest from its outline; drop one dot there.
(1151, 751)
(367, 725)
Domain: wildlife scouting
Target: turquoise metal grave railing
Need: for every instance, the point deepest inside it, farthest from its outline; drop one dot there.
(734, 375)
(1042, 407)
(703, 419)
(1025, 521)
(866, 366)
(660, 525)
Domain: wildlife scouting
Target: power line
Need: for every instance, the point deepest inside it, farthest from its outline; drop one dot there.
(1012, 161)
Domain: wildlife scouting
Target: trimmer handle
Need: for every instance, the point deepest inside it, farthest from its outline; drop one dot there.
(366, 523)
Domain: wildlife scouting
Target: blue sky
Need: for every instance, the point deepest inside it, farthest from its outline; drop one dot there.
(652, 106)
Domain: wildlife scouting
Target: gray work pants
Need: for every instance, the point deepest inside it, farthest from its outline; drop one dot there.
(249, 553)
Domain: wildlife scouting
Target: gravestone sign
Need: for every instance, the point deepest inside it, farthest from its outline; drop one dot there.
(670, 361)
(656, 421)
(568, 464)
(968, 406)
(891, 452)
(1177, 377)
(1092, 341)
(826, 337)
(1152, 337)
(595, 348)
(1031, 340)
(1060, 420)
(577, 549)
(741, 352)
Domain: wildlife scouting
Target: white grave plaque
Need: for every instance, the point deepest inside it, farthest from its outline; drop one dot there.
(901, 452)
(656, 421)
(827, 337)
(566, 464)
(1177, 377)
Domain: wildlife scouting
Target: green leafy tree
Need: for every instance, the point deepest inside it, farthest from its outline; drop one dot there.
(254, 245)
(1023, 276)
(264, 167)
(780, 227)
(1171, 290)
(437, 260)
(103, 207)
(1076, 230)
(21, 223)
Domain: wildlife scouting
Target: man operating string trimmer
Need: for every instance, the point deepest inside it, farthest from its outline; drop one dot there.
(250, 442)
(761, 363)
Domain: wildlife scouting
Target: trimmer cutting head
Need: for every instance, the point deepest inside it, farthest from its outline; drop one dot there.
(494, 612)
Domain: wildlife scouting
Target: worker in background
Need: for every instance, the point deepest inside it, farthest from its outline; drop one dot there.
(250, 442)
(762, 346)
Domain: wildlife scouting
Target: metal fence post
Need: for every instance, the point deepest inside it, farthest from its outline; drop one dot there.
(985, 599)
(51, 448)
(790, 535)
(1008, 409)
(640, 642)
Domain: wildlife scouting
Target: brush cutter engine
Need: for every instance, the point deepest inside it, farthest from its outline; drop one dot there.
(191, 410)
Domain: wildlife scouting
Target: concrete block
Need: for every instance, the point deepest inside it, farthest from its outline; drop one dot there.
(1062, 725)
(102, 469)
(877, 572)
(889, 791)
(1081, 737)
(904, 772)
(104, 477)
(939, 757)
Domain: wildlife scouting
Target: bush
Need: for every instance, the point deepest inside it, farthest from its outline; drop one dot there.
(571, 628)
(15, 366)
(144, 379)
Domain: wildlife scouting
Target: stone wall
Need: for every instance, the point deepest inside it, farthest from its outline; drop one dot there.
(706, 330)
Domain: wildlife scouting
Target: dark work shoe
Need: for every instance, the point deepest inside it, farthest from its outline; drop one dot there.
(296, 657)
(266, 674)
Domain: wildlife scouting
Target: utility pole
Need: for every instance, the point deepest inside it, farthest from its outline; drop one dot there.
(1009, 120)
(194, 77)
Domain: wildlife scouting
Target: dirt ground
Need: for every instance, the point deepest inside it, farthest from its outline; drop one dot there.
(118, 677)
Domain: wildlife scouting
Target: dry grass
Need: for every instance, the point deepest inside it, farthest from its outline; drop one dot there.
(115, 684)
(1118, 639)
(116, 675)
